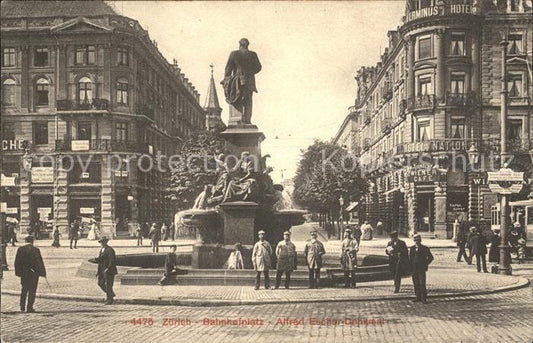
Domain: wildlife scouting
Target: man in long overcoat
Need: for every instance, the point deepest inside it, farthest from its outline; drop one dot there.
(420, 257)
(314, 250)
(479, 250)
(398, 259)
(29, 266)
(239, 79)
(349, 259)
(107, 269)
(262, 260)
(286, 259)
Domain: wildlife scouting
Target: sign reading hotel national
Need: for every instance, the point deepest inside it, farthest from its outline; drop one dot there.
(436, 11)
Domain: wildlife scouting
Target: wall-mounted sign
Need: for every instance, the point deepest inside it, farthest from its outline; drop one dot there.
(12, 210)
(3, 207)
(505, 181)
(80, 145)
(423, 175)
(42, 175)
(12, 144)
(433, 11)
(86, 210)
(7, 181)
(85, 175)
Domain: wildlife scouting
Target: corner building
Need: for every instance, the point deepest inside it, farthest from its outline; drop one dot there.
(89, 90)
(434, 98)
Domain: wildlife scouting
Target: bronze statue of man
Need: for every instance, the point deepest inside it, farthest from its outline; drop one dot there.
(239, 82)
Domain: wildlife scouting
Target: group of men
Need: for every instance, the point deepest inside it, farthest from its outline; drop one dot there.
(415, 261)
(262, 257)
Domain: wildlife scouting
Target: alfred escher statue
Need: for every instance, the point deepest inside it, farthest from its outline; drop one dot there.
(239, 82)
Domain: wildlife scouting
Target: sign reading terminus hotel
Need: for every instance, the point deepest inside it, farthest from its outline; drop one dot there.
(436, 11)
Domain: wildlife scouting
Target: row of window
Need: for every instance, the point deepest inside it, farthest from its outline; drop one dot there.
(84, 55)
(85, 91)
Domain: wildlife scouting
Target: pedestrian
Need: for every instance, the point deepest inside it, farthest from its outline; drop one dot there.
(172, 231)
(286, 259)
(12, 234)
(494, 251)
(107, 269)
(313, 252)
(73, 234)
(420, 257)
(171, 267)
(235, 260)
(56, 236)
(164, 231)
(479, 249)
(471, 233)
(461, 243)
(379, 227)
(367, 231)
(262, 260)
(398, 259)
(155, 236)
(357, 234)
(139, 235)
(349, 258)
(91, 236)
(29, 266)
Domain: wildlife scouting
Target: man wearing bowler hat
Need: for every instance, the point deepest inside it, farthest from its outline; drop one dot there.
(29, 266)
(420, 257)
(398, 259)
(107, 269)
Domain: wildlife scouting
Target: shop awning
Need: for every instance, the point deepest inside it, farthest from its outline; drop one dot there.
(392, 190)
(528, 202)
(351, 207)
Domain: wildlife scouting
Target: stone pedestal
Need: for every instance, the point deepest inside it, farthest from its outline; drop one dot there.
(242, 138)
(215, 256)
(239, 222)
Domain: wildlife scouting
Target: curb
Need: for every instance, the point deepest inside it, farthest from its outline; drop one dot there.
(521, 283)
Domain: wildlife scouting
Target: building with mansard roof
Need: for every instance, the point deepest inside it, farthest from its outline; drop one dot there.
(426, 119)
(88, 90)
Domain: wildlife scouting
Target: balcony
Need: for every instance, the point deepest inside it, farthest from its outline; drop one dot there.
(422, 102)
(72, 105)
(101, 145)
(366, 143)
(386, 125)
(461, 99)
(403, 108)
(145, 109)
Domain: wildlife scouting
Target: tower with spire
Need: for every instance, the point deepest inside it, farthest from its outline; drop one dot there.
(212, 107)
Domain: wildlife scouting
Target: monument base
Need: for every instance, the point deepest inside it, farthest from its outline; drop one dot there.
(239, 222)
(244, 137)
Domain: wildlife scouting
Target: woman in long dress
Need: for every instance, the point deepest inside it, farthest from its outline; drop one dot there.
(92, 232)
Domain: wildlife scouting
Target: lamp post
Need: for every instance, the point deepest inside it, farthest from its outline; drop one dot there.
(3, 233)
(505, 263)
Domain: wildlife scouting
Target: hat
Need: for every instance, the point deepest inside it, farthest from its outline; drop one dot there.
(348, 230)
(103, 239)
(29, 239)
(393, 234)
(286, 233)
(261, 232)
(417, 237)
(517, 224)
(314, 233)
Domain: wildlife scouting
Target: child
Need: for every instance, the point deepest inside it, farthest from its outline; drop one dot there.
(235, 258)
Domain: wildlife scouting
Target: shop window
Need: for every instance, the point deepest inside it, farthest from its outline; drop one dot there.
(514, 85)
(424, 131)
(122, 56)
(40, 132)
(85, 90)
(122, 91)
(85, 55)
(121, 133)
(40, 57)
(8, 92)
(86, 172)
(458, 44)
(9, 57)
(424, 47)
(458, 128)
(42, 88)
(425, 86)
(515, 44)
(457, 83)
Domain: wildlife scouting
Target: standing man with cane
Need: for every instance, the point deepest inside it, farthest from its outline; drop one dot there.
(29, 266)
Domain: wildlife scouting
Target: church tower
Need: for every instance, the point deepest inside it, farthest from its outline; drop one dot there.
(212, 107)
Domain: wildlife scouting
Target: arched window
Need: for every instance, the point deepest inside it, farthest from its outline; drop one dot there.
(85, 90)
(8, 92)
(122, 91)
(41, 92)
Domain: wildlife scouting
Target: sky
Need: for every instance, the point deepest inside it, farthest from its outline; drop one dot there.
(309, 50)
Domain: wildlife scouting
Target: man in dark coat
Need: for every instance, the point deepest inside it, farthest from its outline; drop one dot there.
(461, 243)
(398, 259)
(479, 250)
(239, 79)
(29, 266)
(171, 266)
(107, 269)
(471, 233)
(420, 257)
(314, 250)
(73, 233)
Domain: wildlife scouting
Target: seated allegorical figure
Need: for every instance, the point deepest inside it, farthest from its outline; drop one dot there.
(243, 187)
